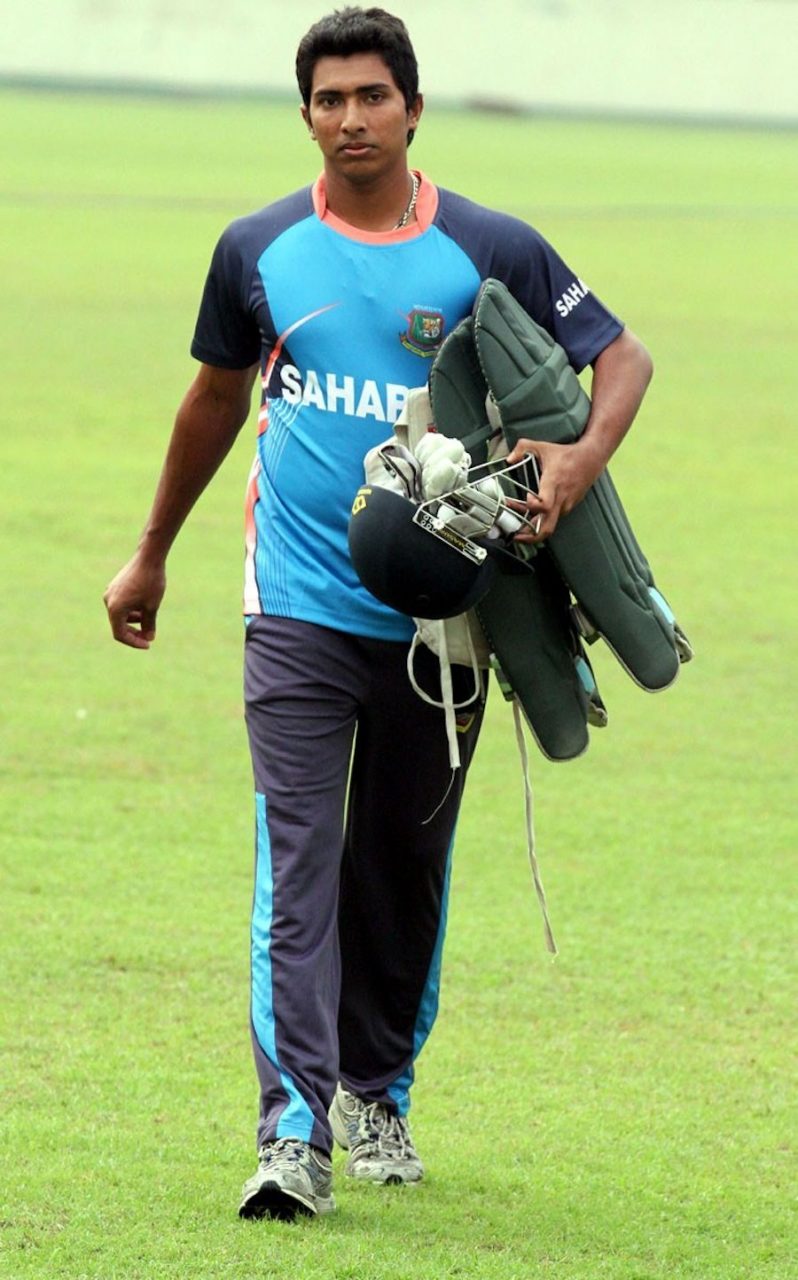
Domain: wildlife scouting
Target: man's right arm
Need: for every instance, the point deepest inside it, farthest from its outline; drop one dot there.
(212, 413)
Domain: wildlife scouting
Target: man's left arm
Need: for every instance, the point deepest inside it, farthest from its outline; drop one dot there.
(621, 374)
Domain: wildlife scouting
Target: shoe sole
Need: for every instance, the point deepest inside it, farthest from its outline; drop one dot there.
(272, 1201)
(391, 1179)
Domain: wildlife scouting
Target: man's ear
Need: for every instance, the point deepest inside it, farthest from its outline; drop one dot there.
(306, 117)
(414, 112)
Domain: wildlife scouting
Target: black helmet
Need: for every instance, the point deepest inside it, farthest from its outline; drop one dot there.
(413, 562)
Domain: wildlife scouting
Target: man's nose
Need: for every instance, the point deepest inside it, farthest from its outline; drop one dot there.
(353, 121)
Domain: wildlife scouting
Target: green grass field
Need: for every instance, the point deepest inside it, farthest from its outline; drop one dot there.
(626, 1112)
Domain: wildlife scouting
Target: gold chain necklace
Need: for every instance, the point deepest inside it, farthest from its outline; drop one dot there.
(408, 213)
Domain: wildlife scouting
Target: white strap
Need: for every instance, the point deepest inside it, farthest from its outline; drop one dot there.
(447, 695)
(530, 828)
(447, 702)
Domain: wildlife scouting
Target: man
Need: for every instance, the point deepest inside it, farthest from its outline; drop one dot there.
(341, 294)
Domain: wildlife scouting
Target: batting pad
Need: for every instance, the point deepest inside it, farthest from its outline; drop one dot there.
(500, 358)
(539, 396)
(526, 616)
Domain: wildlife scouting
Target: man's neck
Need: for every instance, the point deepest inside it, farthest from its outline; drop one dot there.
(370, 206)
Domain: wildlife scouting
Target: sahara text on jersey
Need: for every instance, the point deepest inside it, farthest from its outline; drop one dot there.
(572, 297)
(345, 395)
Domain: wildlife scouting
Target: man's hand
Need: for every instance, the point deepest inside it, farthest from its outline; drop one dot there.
(566, 473)
(212, 412)
(132, 599)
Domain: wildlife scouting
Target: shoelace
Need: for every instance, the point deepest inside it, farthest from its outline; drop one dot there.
(284, 1149)
(377, 1124)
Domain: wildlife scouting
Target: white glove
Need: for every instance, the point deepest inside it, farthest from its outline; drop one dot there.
(506, 521)
(478, 510)
(444, 464)
(392, 466)
(474, 510)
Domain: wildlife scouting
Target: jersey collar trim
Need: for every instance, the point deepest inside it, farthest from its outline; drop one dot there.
(426, 208)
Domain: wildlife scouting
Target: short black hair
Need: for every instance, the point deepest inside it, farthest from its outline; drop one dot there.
(355, 30)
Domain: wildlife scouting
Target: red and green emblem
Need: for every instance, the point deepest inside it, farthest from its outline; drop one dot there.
(424, 332)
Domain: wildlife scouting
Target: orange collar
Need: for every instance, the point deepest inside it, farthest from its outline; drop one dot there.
(426, 208)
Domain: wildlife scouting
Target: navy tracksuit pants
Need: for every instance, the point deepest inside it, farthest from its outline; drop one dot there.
(351, 874)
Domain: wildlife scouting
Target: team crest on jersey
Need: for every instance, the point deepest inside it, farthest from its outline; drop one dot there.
(424, 332)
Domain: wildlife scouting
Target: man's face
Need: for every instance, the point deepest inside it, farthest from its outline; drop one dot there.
(358, 116)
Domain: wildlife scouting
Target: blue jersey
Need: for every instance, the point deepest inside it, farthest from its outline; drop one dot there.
(343, 323)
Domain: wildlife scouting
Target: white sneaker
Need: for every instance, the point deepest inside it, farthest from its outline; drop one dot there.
(292, 1178)
(378, 1141)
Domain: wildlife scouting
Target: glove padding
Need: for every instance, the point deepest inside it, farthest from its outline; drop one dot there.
(438, 470)
(444, 464)
(392, 466)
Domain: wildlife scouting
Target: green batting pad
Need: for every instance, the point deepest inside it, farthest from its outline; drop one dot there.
(525, 614)
(458, 392)
(539, 397)
(526, 619)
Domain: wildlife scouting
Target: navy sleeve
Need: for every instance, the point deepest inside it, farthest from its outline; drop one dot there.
(227, 333)
(509, 250)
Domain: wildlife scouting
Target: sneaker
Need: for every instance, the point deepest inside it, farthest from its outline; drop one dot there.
(378, 1141)
(292, 1178)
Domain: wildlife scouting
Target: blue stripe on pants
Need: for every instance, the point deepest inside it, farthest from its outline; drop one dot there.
(296, 1120)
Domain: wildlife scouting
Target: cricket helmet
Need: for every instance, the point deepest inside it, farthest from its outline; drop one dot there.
(410, 560)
